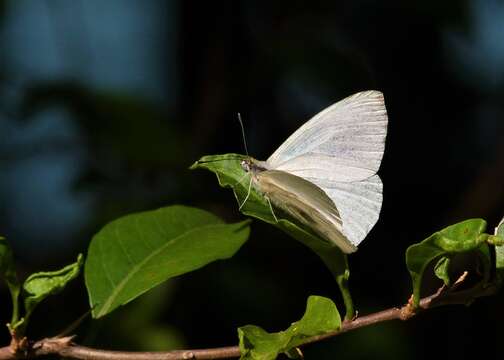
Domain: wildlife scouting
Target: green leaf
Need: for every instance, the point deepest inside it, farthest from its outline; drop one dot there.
(40, 285)
(442, 270)
(462, 237)
(8, 273)
(230, 174)
(133, 254)
(321, 316)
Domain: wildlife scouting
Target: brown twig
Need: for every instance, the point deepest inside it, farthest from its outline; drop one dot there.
(64, 347)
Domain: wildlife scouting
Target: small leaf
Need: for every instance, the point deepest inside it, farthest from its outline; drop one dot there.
(321, 316)
(40, 285)
(230, 174)
(462, 237)
(8, 273)
(133, 254)
(442, 270)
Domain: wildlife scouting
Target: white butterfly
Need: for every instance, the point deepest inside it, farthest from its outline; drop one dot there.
(324, 175)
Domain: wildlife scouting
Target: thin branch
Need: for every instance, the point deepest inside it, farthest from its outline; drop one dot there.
(215, 353)
(64, 347)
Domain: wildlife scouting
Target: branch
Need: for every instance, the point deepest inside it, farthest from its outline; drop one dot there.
(64, 347)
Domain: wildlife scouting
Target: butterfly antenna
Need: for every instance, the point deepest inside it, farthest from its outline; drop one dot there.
(243, 133)
(248, 194)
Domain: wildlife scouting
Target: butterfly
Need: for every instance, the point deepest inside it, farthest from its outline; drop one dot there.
(324, 174)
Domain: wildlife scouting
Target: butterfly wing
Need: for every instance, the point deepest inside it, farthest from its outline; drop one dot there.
(305, 202)
(359, 204)
(340, 150)
(344, 142)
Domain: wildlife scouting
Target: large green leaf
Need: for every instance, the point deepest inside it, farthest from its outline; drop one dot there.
(462, 237)
(8, 273)
(132, 254)
(40, 285)
(321, 316)
(230, 174)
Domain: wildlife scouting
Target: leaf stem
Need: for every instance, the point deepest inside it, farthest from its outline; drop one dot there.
(347, 297)
(14, 291)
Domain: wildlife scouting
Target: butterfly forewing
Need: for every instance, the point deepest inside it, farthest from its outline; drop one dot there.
(344, 142)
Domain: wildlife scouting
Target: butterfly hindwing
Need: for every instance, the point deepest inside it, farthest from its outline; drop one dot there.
(305, 202)
(359, 204)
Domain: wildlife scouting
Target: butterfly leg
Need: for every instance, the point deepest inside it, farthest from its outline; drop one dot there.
(248, 194)
(271, 208)
(241, 179)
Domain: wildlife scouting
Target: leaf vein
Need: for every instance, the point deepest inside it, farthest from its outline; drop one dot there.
(137, 268)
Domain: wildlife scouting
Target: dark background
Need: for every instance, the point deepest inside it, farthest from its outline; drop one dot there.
(105, 105)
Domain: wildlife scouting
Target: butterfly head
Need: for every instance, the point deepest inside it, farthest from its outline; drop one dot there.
(254, 166)
(246, 165)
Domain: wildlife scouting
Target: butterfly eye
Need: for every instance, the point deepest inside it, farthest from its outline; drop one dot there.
(245, 165)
